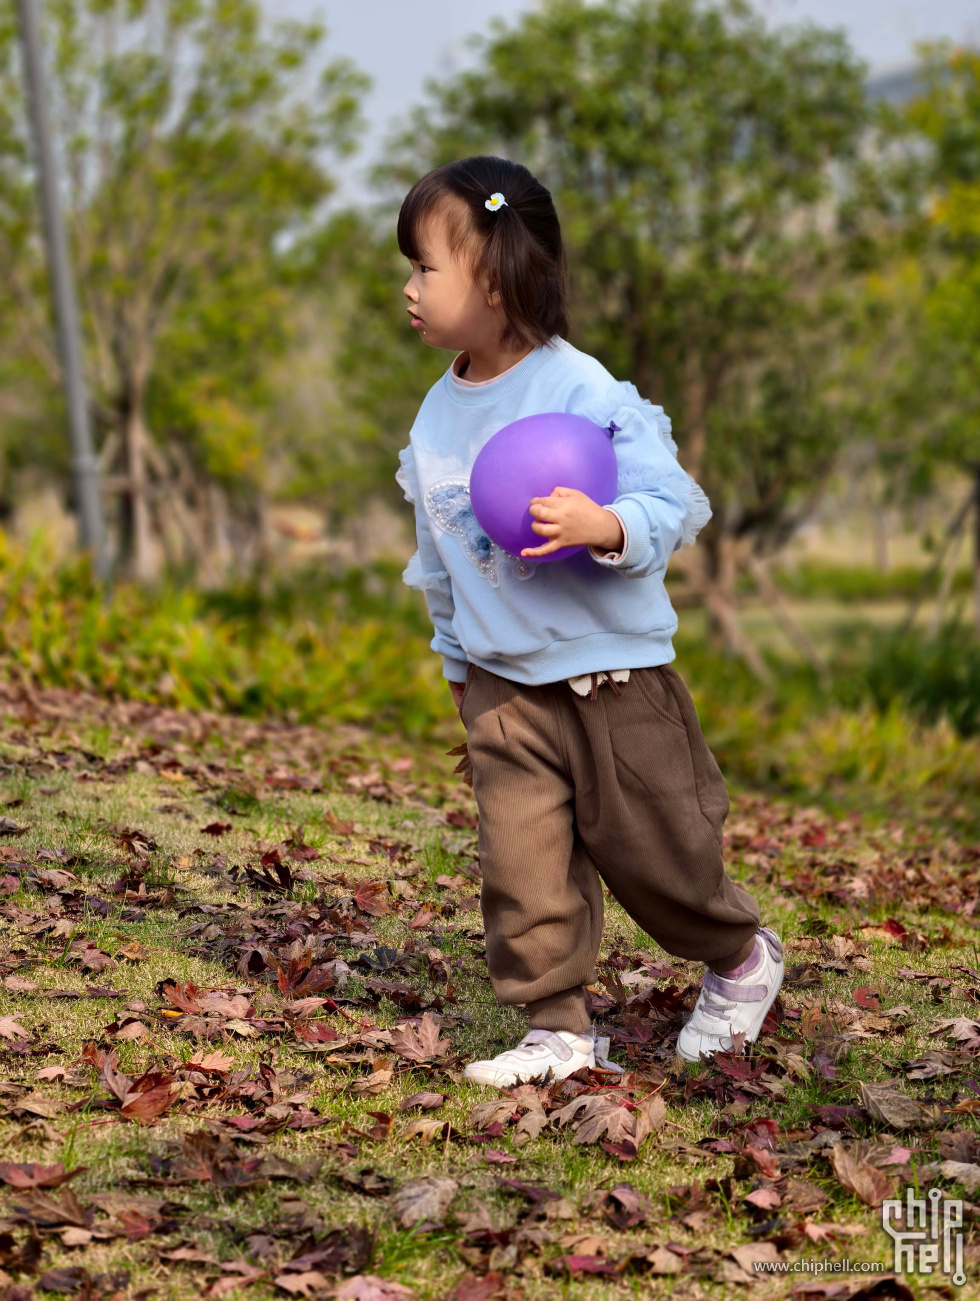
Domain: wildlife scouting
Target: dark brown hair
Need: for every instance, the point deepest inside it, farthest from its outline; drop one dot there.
(518, 249)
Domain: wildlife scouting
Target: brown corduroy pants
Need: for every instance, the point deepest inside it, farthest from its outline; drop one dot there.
(572, 789)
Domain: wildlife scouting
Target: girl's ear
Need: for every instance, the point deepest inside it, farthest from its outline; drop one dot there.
(490, 290)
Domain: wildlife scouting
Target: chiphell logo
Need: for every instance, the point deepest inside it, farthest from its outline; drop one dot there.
(926, 1237)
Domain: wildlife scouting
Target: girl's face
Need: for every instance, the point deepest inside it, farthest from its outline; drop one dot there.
(448, 307)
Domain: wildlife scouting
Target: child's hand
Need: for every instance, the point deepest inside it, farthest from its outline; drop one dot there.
(568, 518)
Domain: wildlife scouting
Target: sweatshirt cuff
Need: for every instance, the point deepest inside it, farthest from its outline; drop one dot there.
(636, 532)
(607, 557)
(453, 670)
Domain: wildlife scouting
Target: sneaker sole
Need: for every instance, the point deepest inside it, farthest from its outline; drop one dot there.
(753, 1032)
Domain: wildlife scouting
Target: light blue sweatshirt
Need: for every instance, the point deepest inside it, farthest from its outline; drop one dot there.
(536, 623)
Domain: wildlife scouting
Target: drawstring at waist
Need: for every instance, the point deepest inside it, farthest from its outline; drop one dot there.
(606, 677)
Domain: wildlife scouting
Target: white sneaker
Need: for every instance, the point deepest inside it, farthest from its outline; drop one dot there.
(727, 1007)
(562, 1050)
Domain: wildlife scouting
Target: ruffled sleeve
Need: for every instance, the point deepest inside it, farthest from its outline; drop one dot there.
(418, 574)
(405, 475)
(659, 505)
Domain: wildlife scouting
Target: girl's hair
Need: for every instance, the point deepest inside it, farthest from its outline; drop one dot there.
(518, 249)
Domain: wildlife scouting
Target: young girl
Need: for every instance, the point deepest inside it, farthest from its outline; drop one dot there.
(587, 756)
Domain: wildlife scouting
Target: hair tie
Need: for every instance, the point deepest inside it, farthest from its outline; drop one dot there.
(495, 202)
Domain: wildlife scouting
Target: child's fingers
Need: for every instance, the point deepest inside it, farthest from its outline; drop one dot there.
(541, 510)
(546, 530)
(541, 551)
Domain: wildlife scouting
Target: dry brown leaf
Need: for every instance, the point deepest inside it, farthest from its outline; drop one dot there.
(964, 1172)
(133, 1030)
(218, 1063)
(422, 1044)
(304, 1284)
(369, 1287)
(36, 1176)
(595, 1117)
(894, 1108)
(423, 1199)
(426, 1101)
(650, 1117)
(426, 1128)
(663, 1261)
(865, 1181)
(370, 1085)
(11, 1029)
(489, 1113)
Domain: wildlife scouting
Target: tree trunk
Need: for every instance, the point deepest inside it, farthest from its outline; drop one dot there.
(218, 557)
(695, 416)
(881, 538)
(713, 578)
(946, 583)
(779, 607)
(136, 534)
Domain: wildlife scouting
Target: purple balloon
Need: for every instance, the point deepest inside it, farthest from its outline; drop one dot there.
(529, 458)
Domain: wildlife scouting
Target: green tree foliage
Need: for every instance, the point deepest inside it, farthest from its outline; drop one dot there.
(710, 179)
(924, 415)
(195, 141)
(948, 116)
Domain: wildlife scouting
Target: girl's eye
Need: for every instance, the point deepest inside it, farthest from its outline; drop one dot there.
(422, 267)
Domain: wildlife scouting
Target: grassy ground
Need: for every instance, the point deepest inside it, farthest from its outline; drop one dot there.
(284, 1013)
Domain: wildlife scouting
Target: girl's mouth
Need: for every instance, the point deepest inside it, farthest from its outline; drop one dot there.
(416, 321)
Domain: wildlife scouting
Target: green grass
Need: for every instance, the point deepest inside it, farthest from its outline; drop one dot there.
(226, 751)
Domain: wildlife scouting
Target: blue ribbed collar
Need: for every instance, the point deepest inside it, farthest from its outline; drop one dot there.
(506, 384)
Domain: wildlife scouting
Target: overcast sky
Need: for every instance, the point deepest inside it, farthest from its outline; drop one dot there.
(400, 43)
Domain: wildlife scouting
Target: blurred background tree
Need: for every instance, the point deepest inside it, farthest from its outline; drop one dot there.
(946, 374)
(195, 142)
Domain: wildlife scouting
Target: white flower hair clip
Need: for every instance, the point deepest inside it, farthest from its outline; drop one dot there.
(495, 202)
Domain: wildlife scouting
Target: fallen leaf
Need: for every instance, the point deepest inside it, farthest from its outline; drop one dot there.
(662, 1261)
(965, 1173)
(423, 1199)
(767, 1199)
(369, 1287)
(36, 1176)
(425, 1101)
(422, 1044)
(303, 1284)
(11, 1029)
(865, 1181)
(625, 1206)
(892, 1107)
(45, 1211)
(594, 1117)
(865, 996)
